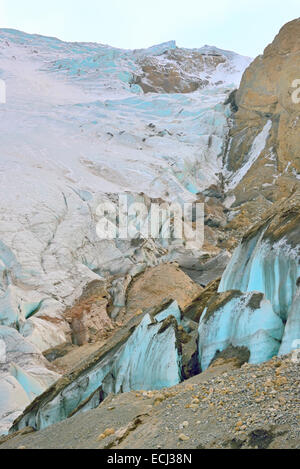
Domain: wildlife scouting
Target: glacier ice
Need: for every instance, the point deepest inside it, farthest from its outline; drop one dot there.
(31, 386)
(42, 334)
(23, 375)
(267, 261)
(8, 311)
(149, 360)
(135, 365)
(17, 348)
(13, 400)
(258, 265)
(2, 351)
(243, 320)
(291, 337)
(48, 233)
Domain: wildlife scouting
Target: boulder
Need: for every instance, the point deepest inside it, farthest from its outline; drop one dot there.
(152, 287)
(195, 309)
(88, 318)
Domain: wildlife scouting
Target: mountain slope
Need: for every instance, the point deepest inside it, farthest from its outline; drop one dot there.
(86, 122)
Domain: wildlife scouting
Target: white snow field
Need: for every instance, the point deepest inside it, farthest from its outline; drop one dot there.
(75, 129)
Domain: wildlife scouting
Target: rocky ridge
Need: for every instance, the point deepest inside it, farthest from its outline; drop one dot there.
(264, 169)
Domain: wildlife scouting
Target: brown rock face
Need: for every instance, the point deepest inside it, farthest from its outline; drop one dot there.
(176, 71)
(236, 356)
(194, 311)
(155, 285)
(88, 318)
(282, 222)
(267, 95)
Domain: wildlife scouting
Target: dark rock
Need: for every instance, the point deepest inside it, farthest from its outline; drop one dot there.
(232, 101)
(260, 438)
(240, 355)
(58, 352)
(255, 301)
(190, 359)
(195, 310)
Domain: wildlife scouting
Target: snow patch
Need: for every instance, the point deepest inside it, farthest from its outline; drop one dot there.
(258, 145)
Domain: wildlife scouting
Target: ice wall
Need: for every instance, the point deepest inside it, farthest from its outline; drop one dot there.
(273, 269)
(150, 359)
(268, 261)
(245, 320)
(291, 337)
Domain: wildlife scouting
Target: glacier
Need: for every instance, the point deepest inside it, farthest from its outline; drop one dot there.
(75, 131)
(291, 337)
(84, 134)
(135, 365)
(267, 261)
(273, 269)
(23, 375)
(244, 320)
(86, 122)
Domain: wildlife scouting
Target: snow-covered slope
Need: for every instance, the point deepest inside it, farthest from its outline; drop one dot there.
(77, 126)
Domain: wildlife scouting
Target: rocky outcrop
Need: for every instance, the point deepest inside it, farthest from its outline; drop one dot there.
(178, 71)
(195, 309)
(88, 318)
(237, 356)
(262, 162)
(189, 346)
(158, 284)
